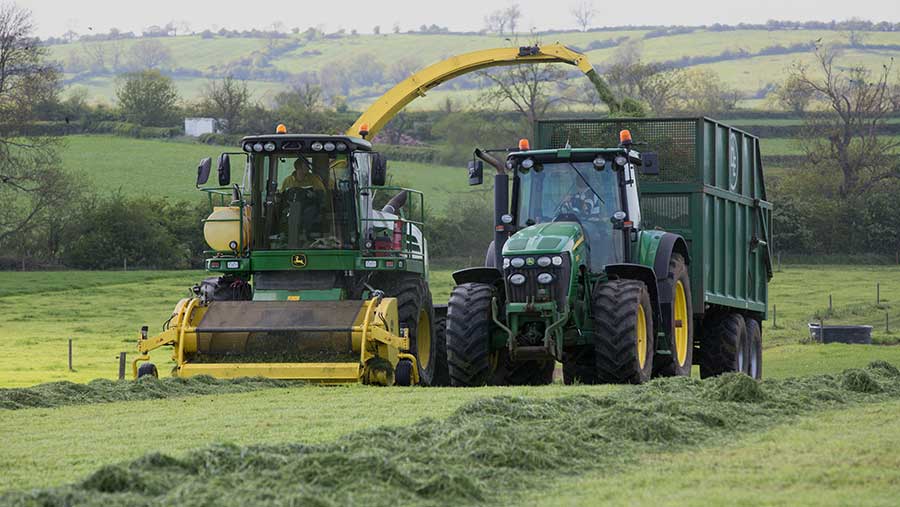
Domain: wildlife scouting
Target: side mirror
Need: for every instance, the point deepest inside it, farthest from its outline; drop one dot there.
(649, 163)
(203, 171)
(476, 172)
(224, 168)
(379, 169)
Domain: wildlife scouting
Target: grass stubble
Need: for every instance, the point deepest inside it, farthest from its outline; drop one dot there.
(488, 450)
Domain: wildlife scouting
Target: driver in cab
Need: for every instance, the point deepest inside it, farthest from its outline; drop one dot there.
(305, 176)
(581, 201)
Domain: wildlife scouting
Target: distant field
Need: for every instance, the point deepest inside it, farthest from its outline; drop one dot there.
(747, 75)
(103, 311)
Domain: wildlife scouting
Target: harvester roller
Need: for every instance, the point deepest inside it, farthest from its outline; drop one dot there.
(331, 342)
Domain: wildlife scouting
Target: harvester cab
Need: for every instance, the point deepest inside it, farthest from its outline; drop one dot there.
(321, 270)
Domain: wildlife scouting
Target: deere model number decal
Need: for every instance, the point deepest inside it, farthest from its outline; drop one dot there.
(298, 261)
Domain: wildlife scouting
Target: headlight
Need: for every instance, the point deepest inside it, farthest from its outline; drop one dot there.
(517, 279)
(620, 160)
(543, 261)
(544, 278)
(270, 146)
(258, 147)
(517, 262)
(248, 146)
(528, 163)
(505, 263)
(329, 146)
(506, 218)
(341, 147)
(557, 261)
(316, 146)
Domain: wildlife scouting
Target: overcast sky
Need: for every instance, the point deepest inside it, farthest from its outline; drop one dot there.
(54, 17)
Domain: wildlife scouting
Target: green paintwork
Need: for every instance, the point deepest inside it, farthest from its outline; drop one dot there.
(648, 246)
(316, 260)
(304, 295)
(534, 239)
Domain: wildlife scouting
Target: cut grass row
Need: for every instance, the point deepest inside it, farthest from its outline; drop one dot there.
(490, 449)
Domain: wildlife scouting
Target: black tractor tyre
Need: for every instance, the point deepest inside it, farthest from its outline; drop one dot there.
(754, 346)
(413, 305)
(724, 345)
(579, 365)
(469, 326)
(617, 305)
(403, 373)
(668, 365)
(148, 370)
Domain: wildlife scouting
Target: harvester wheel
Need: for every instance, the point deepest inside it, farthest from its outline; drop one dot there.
(469, 334)
(579, 365)
(681, 334)
(148, 370)
(724, 347)
(623, 320)
(754, 342)
(403, 373)
(416, 313)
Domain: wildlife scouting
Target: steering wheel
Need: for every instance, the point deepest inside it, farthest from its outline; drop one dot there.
(567, 217)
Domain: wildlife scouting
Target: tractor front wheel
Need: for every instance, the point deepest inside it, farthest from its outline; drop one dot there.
(469, 334)
(623, 324)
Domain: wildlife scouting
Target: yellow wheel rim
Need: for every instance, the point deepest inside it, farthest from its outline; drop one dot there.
(641, 332)
(681, 332)
(423, 340)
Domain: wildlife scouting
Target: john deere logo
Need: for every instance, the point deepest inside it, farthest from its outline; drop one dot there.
(298, 261)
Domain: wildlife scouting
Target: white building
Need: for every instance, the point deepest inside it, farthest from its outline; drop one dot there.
(198, 126)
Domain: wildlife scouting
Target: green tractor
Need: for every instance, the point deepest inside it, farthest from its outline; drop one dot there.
(321, 271)
(581, 270)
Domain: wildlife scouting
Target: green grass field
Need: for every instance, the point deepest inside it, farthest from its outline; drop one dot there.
(747, 75)
(103, 311)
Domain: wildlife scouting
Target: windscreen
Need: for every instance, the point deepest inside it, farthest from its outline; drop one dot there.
(309, 202)
(575, 192)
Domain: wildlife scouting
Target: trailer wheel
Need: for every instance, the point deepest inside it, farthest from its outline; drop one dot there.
(681, 334)
(579, 365)
(623, 323)
(416, 313)
(754, 346)
(724, 347)
(468, 335)
(148, 370)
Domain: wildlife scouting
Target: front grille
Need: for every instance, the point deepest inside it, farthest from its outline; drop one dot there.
(528, 291)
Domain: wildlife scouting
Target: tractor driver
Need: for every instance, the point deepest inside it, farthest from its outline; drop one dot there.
(305, 175)
(581, 201)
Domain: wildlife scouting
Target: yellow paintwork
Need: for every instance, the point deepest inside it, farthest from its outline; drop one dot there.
(375, 333)
(423, 339)
(223, 226)
(389, 104)
(641, 333)
(681, 332)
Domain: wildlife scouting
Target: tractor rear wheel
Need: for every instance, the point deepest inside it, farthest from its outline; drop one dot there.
(681, 333)
(724, 347)
(579, 365)
(754, 345)
(469, 334)
(623, 326)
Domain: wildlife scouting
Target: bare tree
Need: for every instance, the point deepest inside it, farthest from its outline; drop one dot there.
(496, 22)
(149, 54)
(513, 14)
(651, 83)
(584, 13)
(859, 102)
(226, 100)
(31, 179)
(532, 90)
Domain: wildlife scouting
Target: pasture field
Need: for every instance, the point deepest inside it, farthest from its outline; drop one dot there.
(103, 311)
(213, 55)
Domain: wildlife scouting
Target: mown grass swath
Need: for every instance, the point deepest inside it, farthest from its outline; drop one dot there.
(485, 451)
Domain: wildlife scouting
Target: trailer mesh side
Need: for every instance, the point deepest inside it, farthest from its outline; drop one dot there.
(673, 139)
